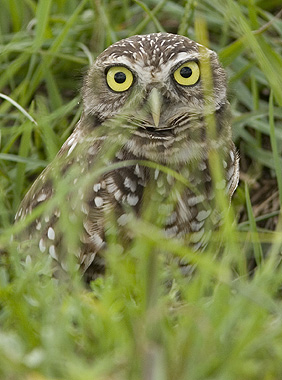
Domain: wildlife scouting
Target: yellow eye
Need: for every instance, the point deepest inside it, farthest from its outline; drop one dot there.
(119, 78)
(187, 74)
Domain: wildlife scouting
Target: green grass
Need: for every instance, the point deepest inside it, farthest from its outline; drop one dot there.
(222, 323)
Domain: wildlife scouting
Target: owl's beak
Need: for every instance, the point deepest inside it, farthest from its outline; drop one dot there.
(155, 105)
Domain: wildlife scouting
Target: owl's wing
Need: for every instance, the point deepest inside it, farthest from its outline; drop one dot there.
(40, 191)
(82, 200)
(43, 187)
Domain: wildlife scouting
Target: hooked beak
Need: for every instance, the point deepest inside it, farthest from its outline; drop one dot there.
(155, 105)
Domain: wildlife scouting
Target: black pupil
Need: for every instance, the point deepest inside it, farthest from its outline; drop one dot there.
(120, 77)
(186, 72)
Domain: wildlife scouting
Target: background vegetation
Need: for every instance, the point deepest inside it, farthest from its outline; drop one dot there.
(227, 324)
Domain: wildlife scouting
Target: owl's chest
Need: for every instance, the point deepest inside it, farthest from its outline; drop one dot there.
(174, 200)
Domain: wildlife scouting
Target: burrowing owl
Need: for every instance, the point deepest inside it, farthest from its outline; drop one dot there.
(144, 106)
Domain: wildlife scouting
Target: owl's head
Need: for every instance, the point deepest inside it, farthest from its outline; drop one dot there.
(155, 81)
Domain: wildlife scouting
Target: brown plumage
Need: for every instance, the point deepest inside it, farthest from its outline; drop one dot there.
(143, 102)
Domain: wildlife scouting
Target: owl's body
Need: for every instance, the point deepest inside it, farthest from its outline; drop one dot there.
(144, 106)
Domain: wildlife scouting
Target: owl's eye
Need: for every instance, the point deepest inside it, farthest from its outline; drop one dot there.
(119, 78)
(187, 74)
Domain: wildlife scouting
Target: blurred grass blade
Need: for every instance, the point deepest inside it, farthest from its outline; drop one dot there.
(20, 108)
(25, 147)
(253, 229)
(187, 17)
(42, 19)
(228, 54)
(274, 146)
(150, 16)
(14, 158)
(47, 60)
(261, 50)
